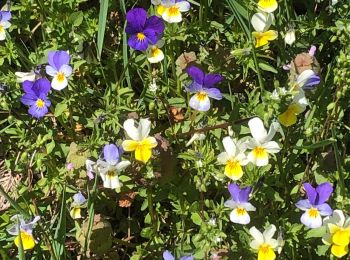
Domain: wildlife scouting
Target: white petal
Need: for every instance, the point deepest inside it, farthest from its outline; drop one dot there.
(257, 235)
(274, 127)
(51, 71)
(160, 43)
(248, 206)
(183, 6)
(261, 22)
(290, 37)
(255, 244)
(2, 35)
(155, 58)
(66, 70)
(242, 158)
(23, 76)
(272, 147)
(311, 222)
(144, 128)
(131, 130)
(258, 161)
(111, 182)
(231, 204)
(269, 232)
(6, 24)
(122, 165)
(229, 145)
(304, 76)
(273, 243)
(156, 2)
(240, 219)
(257, 129)
(223, 158)
(59, 85)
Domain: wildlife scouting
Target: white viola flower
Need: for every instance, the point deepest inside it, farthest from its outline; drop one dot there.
(5, 16)
(264, 243)
(139, 140)
(171, 10)
(289, 38)
(154, 53)
(233, 157)
(239, 203)
(261, 22)
(111, 166)
(261, 144)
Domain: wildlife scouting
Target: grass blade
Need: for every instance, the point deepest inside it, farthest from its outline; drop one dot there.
(60, 234)
(101, 26)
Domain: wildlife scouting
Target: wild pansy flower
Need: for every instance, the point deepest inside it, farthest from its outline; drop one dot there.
(167, 255)
(261, 24)
(239, 203)
(261, 144)
(268, 6)
(203, 87)
(78, 203)
(315, 206)
(36, 97)
(264, 243)
(154, 53)
(23, 229)
(298, 106)
(171, 10)
(110, 167)
(59, 69)
(233, 157)
(140, 142)
(338, 233)
(5, 16)
(144, 31)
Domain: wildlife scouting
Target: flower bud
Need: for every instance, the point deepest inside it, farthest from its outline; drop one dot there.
(290, 37)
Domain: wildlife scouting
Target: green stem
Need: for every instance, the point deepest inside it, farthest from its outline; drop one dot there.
(151, 209)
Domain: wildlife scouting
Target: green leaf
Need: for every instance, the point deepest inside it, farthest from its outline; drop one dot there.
(316, 232)
(50, 146)
(196, 218)
(76, 18)
(60, 108)
(266, 67)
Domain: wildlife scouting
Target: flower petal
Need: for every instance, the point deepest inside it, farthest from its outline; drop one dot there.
(257, 129)
(229, 145)
(234, 190)
(257, 235)
(136, 19)
(213, 93)
(239, 216)
(131, 130)
(324, 190)
(311, 221)
(111, 153)
(211, 80)
(196, 74)
(199, 103)
(144, 128)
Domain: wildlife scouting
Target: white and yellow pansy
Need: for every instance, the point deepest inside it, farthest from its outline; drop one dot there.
(171, 10)
(338, 233)
(139, 141)
(264, 243)
(154, 52)
(78, 203)
(260, 143)
(261, 23)
(298, 106)
(233, 158)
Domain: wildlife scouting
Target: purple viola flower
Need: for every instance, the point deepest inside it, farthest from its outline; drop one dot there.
(36, 97)
(143, 30)
(59, 69)
(239, 203)
(203, 87)
(315, 206)
(5, 16)
(167, 255)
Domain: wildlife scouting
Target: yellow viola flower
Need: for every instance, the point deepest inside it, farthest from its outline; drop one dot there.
(260, 143)
(171, 10)
(263, 38)
(298, 106)
(23, 230)
(233, 158)
(338, 233)
(139, 141)
(264, 243)
(78, 203)
(268, 6)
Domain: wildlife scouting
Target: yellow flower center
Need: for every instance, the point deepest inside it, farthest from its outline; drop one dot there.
(110, 174)
(313, 213)
(174, 11)
(260, 152)
(28, 241)
(40, 103)
(155, 51)
(60, 76)
(201, 96)
(140, 36)
(241, 211)
(2, 30)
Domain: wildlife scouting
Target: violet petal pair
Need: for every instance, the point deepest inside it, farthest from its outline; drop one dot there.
(238, 194)
(112, 153)
(143, 31)
(36, 96)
